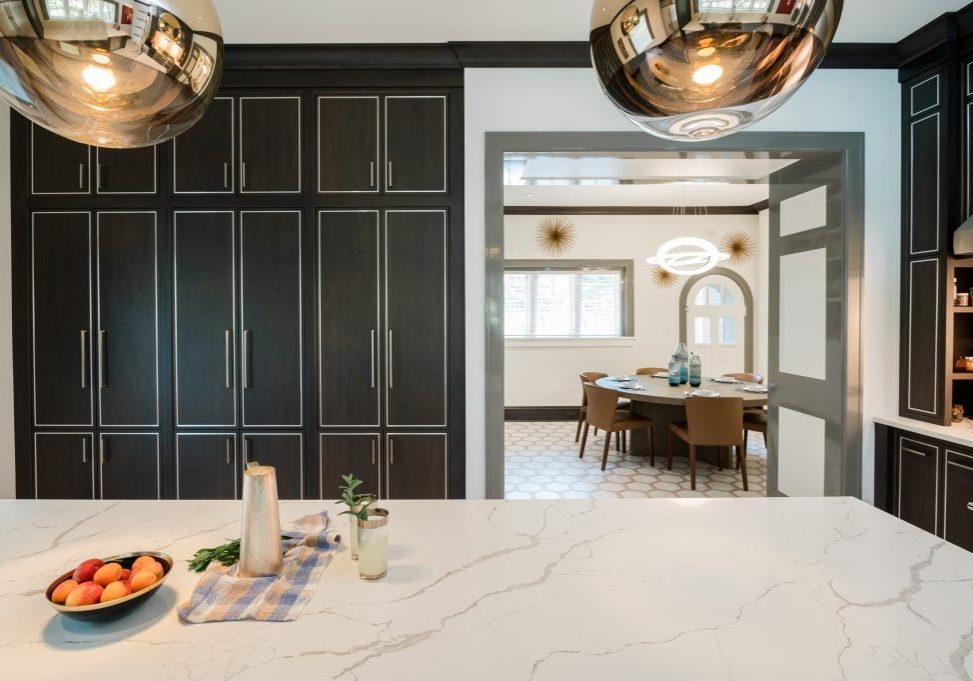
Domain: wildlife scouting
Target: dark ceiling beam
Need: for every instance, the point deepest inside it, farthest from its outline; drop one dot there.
(630, 210)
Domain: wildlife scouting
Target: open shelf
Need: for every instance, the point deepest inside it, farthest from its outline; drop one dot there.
(963, 377)
(963, 310)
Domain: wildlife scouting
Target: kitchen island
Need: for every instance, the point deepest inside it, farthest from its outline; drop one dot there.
(694, 589)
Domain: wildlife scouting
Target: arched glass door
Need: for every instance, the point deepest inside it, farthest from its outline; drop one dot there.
(716, 323)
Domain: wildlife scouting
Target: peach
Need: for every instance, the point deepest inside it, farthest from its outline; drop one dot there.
(143, 579)
(126, 575)
(107, 573)
(114, 591)
(61, 591)
(87, 593)
(141, 563)
(85, 572)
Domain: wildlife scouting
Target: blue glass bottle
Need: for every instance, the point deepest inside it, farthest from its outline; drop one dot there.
(682, 356)
(675, 371)
(695, 371)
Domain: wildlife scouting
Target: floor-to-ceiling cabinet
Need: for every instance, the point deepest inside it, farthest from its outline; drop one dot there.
(282, 284)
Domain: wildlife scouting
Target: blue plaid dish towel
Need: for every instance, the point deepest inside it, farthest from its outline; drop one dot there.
(221, 596)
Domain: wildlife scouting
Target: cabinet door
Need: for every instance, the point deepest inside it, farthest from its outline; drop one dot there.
(958, 511)
(348, 317)
(283, 451)
(925, 165)
(416, 466)
(206, 466)
(415, 318)
(348, 139)
(61, 313)
(923, 394)
(129, 466)
(58, 165)
(203, 156)
(272, 363)
(126, 171)
(415, 144)
(128, 369)
(918, 483)
(64, 466)
(270, 145)
(341, 454)
(205, 319)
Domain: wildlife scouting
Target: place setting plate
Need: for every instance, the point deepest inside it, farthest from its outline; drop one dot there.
(726, 379)
(756, 389)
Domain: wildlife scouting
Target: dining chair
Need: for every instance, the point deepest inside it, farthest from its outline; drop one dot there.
(603, 413)
(756, 379)
(753, 422)
(591, 377)
(711, 422)
(649, 371)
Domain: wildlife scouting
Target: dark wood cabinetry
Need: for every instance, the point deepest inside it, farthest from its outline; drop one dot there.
(203, 156)
(250, 291)
(416, 466)
(958, 499)
(270, 145)
(129, 466)
(919, 464)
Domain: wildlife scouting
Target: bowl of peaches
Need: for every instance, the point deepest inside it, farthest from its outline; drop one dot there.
(105, 588)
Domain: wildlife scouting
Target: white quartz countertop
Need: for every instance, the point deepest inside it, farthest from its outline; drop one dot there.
(959, 434)
(690, 589)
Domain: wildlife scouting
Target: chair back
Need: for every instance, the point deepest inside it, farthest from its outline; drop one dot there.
(748, 378)
(588, 377)
(649, 371)
(602, 405)
(715, 421)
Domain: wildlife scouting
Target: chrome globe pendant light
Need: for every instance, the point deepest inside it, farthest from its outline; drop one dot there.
(692, 70)
(110, 73)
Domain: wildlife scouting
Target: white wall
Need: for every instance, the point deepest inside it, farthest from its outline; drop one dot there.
(570, 100)
(7, 482)
(544, 373)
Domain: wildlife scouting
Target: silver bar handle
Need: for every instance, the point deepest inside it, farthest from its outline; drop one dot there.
(229, 451)
(372, 334)
(374, 457)
(84, 358)
(98, 176)
(102, 337)
(391, 451)
(391, 362)
(969, 506)
(243, 174)
(959, 465)
(914, 452)
(226, 175)
(371, 174)
(81, 176)
(246, 450)
(246, 359)
(84, 449)
(104, 449)
(390, 173)
(227, 354)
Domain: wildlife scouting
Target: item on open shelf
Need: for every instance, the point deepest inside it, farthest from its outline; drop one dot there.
(962, 300)
(964, 364)
(958, 413)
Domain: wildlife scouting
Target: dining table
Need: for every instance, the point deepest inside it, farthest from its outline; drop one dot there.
(653, 398)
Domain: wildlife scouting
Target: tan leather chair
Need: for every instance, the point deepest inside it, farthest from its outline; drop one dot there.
(753, 422)
(603, 412)
(711, 422)
(591, 377)
(649, 371)
(748, 378)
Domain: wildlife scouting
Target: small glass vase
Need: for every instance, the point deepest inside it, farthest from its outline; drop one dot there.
(373, 545)
(353, 523)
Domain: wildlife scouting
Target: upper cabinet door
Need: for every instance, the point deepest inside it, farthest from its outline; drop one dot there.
(203, 157)
(58, 165)
(61, 316)
(64, 466)
(126, 171)
(283, 451)
(415, 317)
(128, 466)
(922, 365)
(128, 339)
(272, 352)
(415, 144)
(348, 318)
(270, 145)
(925, 166)
(205, 319)
(348, 142)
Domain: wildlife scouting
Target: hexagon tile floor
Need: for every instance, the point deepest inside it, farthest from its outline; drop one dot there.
(542, 463)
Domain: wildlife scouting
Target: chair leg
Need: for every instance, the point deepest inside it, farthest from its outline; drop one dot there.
(692, 466)
(650, 431)
(604, 456)
(618, 441)
(596, 432)
(584, 439)
(742, 454)
(577, 436)
(746, 439)
(624, 441)
(672, 442)
(719, 458)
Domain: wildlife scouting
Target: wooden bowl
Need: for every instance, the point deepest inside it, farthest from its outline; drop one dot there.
(117, 607)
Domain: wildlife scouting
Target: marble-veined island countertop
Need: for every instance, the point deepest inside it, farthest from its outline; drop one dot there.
(701, 590)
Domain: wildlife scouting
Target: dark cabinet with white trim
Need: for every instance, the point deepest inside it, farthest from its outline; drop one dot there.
(270, 145)
(415, 466)
(203, 156)
(283, 451)
(126, 171)
(128, 466)
(416, 144)
(348, 144)
(58, 165)
(919, 464)
(64, 466)
(206, 466)
(341, 454)
(958, 499)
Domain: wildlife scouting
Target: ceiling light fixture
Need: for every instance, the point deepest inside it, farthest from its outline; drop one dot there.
(111, 74)
(688, 256)
(657, 59)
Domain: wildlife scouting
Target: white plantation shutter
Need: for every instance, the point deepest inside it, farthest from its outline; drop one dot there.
(564, 303)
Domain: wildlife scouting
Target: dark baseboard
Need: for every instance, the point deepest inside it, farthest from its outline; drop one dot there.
(541, 413)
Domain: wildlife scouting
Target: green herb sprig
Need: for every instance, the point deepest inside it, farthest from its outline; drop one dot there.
(357, 503)
(226, 555)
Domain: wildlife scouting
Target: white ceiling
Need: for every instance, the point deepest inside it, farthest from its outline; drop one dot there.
(434, 21)
(689, 195)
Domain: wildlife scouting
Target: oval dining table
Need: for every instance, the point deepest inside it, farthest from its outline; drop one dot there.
(664, 404)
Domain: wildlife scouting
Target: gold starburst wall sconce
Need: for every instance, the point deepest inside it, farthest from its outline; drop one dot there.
(740, 246)
(663, 278)
(556, 236)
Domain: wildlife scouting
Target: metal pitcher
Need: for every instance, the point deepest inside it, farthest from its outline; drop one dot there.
(260, 548)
